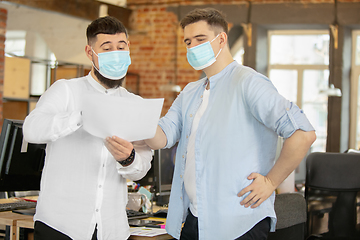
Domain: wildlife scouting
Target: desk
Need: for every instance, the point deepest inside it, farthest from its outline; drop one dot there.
(10, 219)
(16, 221)
(160, 237)
(25, 221)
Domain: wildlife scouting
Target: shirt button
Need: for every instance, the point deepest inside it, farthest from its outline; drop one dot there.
(187, 136)
(182, 156)
(181, 198)
(100, 186)
(190, 115)
(180, 176)
(106, 91)
(97, 210)
(78, 124)
(201, 96)
(287, 109)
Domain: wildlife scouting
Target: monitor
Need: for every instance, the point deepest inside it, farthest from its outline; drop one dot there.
(159, 177)
(21, 163)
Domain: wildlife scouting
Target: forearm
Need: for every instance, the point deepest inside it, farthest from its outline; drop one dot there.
(54, 116)
(41, 127)
(158, 141)
(294, 150)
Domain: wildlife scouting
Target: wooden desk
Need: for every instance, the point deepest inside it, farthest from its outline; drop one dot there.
(27, 222)
(10, 219)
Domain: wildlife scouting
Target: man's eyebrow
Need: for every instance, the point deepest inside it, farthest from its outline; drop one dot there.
(200, 35)
(107, 42)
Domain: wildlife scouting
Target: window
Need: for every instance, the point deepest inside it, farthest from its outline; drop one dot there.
(15, 43)
(354, 92)
(237, 50)
(298, 67)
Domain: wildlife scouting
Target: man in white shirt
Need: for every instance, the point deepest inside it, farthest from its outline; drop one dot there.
(83, 187)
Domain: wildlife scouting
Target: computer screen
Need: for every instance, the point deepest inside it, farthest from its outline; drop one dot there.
(166, 160)
(160, 175)
(21, 163)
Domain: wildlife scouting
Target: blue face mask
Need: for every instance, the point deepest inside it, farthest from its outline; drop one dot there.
(113, 65)
(202, 56)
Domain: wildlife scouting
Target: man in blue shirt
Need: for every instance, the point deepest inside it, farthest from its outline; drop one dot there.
(227, 125)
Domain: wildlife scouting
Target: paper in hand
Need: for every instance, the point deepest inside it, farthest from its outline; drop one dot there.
(131, 119)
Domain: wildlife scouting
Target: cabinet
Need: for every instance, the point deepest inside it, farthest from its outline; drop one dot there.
(17, 98)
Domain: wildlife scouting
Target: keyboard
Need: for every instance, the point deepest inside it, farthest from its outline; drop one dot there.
(132, 214)
(16, 205)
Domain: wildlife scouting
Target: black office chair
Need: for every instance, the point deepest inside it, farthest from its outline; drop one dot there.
(290, 210)
(331, 190)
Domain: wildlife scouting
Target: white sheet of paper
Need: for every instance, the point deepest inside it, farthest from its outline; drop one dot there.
(148, 232)
(131, 119)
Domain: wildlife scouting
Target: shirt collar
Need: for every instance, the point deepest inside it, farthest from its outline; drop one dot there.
(214, 79)
(98, 86)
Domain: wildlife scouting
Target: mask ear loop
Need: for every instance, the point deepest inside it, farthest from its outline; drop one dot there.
(220, 48)
(94, 51)
(92, 62)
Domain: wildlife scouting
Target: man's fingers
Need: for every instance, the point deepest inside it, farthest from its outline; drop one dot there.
(257, 203)
(121, 141)
(120, 144)
(248, 199)
(119, 148)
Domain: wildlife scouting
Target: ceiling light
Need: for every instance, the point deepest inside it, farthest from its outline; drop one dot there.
(331, 91)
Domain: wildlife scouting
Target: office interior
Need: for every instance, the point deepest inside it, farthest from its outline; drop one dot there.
(309, 49)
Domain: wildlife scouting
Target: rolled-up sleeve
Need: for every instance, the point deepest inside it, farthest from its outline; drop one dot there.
(294, 119)
(272, 109)
(172, 122)
(51, 119)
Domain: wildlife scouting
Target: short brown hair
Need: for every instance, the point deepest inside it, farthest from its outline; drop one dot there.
(104, 25)
(212, 16)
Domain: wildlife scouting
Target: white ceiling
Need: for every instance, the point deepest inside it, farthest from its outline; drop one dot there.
(64, 35)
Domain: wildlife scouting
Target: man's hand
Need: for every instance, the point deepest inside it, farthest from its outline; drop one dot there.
(260, 189)
(118, 147)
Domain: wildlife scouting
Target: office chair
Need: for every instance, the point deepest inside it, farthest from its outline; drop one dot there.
(331, 189)
(290, 210)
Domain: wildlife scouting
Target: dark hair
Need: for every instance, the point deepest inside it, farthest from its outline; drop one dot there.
(104, 25)
(212, 16)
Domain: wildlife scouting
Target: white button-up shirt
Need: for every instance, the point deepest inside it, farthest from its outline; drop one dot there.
(82, 184)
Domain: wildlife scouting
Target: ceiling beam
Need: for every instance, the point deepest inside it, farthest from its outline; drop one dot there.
(86, 9)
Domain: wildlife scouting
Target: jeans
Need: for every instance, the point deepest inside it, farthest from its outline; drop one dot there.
(259, 232)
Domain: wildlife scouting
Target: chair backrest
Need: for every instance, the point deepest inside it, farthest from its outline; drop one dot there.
(290, 211)
(333, 171)
(331, 187)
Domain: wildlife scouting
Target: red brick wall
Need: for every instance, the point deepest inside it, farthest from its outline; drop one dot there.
(3, 18)
(158, 53)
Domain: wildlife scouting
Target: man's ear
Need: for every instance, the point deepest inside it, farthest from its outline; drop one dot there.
(89, 52)
(223, 38)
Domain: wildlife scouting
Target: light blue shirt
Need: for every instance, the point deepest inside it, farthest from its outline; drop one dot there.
(237, 135)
